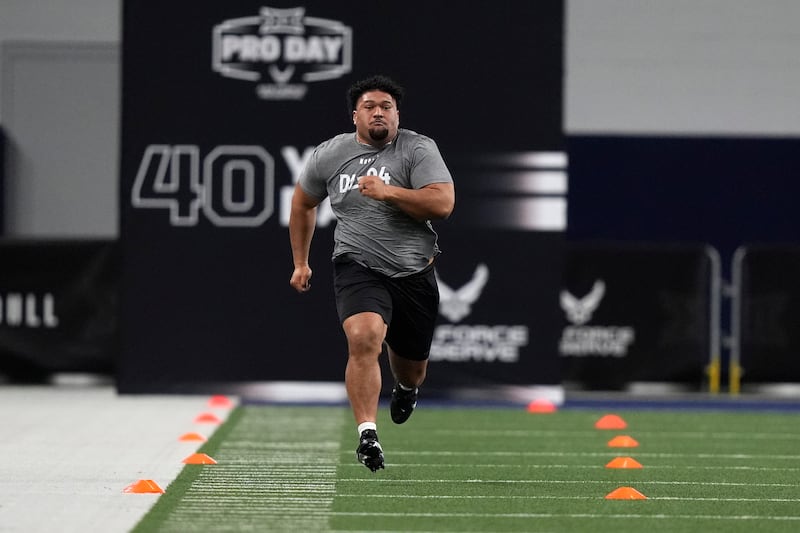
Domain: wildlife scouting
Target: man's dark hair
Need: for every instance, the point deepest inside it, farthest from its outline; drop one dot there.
(374, 83)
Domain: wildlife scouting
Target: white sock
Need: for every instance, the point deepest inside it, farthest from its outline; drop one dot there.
(404, 387)
(366, 425)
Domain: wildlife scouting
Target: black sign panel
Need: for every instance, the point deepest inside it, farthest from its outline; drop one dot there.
(636, 313)
(223, 103)
(58, 308)
(769, 326)
(2, 181)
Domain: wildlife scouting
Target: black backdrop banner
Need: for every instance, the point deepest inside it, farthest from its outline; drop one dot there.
(2, 182)
(769, 325)
(637, 313)
(58, 307)
(222, 104)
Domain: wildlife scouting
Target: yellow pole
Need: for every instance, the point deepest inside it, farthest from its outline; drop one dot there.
(713, 371)
(734, 380)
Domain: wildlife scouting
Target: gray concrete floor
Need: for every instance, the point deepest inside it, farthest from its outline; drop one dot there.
(68, 452)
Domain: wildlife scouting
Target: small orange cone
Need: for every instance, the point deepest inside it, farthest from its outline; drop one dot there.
(219, 401)
(192, 437)
(199, 459)
(623, 441)
(624, 462)
(144, 486)
(610, 422)
(541, 406)
(625, 493)
(207, 418)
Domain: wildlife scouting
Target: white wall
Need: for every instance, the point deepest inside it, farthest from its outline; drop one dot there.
(728, 67)
(719, 67)
(59, 20)
(59, 108)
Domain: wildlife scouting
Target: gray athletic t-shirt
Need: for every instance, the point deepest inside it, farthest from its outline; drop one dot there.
(377, 234)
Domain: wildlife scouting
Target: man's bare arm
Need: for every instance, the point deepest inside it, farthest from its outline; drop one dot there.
(302, 220)
(434, 201)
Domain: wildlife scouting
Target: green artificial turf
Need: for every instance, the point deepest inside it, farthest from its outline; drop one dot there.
(293, 469)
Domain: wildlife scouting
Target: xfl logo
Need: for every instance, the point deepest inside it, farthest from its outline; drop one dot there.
(232, 185)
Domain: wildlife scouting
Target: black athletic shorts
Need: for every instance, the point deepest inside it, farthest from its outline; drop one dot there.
(408, 305)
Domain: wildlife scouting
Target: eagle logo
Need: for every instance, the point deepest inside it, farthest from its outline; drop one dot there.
(456, 304)
(579, 310)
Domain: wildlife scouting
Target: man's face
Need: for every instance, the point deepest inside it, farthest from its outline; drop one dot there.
(376, 118)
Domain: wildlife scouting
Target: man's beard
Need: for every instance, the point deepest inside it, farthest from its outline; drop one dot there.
(378, 133)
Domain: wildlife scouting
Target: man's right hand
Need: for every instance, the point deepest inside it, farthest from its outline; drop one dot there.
(301, 278)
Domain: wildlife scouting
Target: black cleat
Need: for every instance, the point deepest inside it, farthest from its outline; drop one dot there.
(403, 403)
(369, 451)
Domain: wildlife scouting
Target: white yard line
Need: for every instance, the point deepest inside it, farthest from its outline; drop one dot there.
(592, 516)
(282, 479)
(543, 433)
(495, 466)
(548, 497)
(572, 482)
(611, 452)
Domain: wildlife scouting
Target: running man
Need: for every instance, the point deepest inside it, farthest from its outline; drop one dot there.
(385, 185)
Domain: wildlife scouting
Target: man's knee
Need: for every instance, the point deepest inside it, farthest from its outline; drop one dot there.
(364, 335)
(364, 343)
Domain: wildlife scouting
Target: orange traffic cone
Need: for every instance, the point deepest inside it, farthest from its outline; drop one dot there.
(144, 486)
(220, 401)
(541, 405)
(207, 418)
(610, 422)
(199, 459)
(625, 493)
(623, 441)
(624, 462)
(192, 437)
